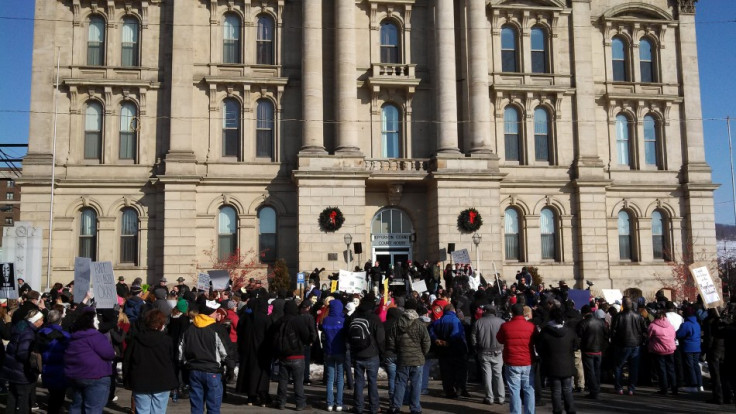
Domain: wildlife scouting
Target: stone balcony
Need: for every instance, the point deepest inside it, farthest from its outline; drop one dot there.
(397, 167)
(393, 75)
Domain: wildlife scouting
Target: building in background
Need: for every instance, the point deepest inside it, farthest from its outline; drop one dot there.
(9, 200)
(189, 130)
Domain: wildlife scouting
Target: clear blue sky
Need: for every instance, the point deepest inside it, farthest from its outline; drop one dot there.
(716, 28)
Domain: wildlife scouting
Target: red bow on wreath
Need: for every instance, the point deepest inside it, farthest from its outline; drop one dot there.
(472, 215)
(333, 215)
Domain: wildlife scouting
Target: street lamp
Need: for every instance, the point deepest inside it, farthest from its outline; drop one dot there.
(476, 240)
(347, 239)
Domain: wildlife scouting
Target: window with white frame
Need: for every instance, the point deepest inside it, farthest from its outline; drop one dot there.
(93, 131)
(265, 41)
(540, 52)
(230, 127)
(129, 44)
(512, 133)
(620, 59)
(231, 46)
(660, 236)
(623, 140)
(88, 233)
(651, 141)
(128, 128)
(96, 41)
(9, 196)
(267, 242)
(129, 236)
(264, 129)
(548, 229)
(227, 232)
(647, 67)
(625, 240)
(509, 49)
(390, 42)
(541, 135)
(512, 237)
(390, 132)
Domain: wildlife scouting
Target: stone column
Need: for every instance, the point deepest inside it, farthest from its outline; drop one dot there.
(447, 135)
(312, 99)
(480, 107)
(346, 91)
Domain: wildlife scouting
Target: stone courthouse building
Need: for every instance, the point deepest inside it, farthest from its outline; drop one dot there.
(187, 129)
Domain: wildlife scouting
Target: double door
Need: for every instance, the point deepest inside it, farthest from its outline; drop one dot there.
(394, 256)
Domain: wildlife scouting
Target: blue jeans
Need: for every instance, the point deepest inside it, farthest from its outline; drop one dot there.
(630, 355)
(693, 376)
(151, 403)
(366, 367)
(428, 363)
(205, 388)
(405, 375)
(89, 395)
(334, 365)
(391, 373)
(521, 389)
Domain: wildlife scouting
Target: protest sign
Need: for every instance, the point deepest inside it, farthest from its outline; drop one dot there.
(579, 296)
(419, 286)
(81, 278)
(612, 295)
(461, 256)
(203, 282)
(8, 284)
(333, 286)
(351, 282)
(704, 282)
(103, 285)
(219, 278)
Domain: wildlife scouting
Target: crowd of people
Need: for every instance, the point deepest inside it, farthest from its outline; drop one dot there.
(174, 343)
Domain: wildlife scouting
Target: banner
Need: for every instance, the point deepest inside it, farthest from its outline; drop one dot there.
(461, 256)
(203, 282)
(707, 288)
(81, 278)
(352, 282)
(612, 295)
(103, 285)
(579, 296)
(219, 278)
(419, 286)
(8, 284)
(333, 286)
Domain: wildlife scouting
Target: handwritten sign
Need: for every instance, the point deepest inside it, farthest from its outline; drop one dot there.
(219, 278)
(707, 288)
(419, 286)
(103, 284)
(612, 295)
(461, 256)
(203, 282)
(81, 277)
(351, 282)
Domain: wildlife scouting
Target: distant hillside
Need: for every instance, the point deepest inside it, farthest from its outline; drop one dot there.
(725, 232)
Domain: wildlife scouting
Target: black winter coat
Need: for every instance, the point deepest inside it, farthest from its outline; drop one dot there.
(628, 329)
(556, 347)
(593, 334)
(148, 366)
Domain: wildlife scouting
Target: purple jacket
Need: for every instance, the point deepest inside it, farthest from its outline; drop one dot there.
(89, 356)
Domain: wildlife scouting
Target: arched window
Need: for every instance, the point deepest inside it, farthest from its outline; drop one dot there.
(625, 245)
(231, 39)
(623, 143)
(620, 60)
(96, 41)
(390, 132)
(265, 41)
(129, 236)
(646, 61)
(129, 54)
(88, 234)
(509, 50)
(660, 240)
(391, 220)
(651, 141)
(227, 232)
(267, 245)
(264, 128)
(548, 229)
(512, 237)
(230, 128)
(540, 54)
(390, 47)
(512, 137)
(541, 134)
(128, 128)
(93, 130)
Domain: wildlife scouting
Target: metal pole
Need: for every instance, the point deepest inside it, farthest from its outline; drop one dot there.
(53, 171)
(733, 180)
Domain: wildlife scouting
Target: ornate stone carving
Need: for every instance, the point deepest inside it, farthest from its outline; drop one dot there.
(394, 193)
(687, 6)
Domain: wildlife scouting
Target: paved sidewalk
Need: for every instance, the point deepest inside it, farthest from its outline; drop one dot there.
(646, 401)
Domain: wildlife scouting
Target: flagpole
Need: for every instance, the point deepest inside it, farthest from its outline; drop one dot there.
(53, 171)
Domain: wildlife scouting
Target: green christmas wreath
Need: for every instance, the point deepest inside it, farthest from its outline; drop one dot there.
(469, 221)
(331, 219)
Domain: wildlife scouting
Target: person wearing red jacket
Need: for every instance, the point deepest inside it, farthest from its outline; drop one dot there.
(517, 336)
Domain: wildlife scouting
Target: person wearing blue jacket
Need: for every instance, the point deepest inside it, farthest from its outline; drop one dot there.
(689, 336)
(52, 343)
(334, 335)
(448, 335)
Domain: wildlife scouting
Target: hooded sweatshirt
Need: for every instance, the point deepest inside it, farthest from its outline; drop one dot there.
(409, 340)
(661, 337)
(556, 346)
(392, 318)
(150, 351)
(334, 328)
(201, 349)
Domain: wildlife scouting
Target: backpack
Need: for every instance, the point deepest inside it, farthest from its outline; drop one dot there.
(359, 334)
(286, 342)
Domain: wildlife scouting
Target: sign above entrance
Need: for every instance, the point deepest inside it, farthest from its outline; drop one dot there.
(391, 240)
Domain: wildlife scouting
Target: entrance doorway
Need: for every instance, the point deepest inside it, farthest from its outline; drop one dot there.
(391, 238)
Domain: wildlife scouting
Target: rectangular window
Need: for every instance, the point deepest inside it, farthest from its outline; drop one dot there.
(230, 52)
(508, 61)
(548, 246)
(8, 221)
(541, 137)
(130, 54)
(231, 143)
(267, 244)
(647, 73)
(127, 145)
(92, 145)
(512, 246)
(264, 143)
(265, 52)
(128, 245)
(9, 196)
(389, 54)
(539, 61)
(658, 247)
(619, 70)
(624, 247)
(11, 184)
(87, 247)
(226, 246)
(94, 53)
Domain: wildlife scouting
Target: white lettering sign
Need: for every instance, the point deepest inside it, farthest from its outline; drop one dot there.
(707, 288)
(352, 282)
